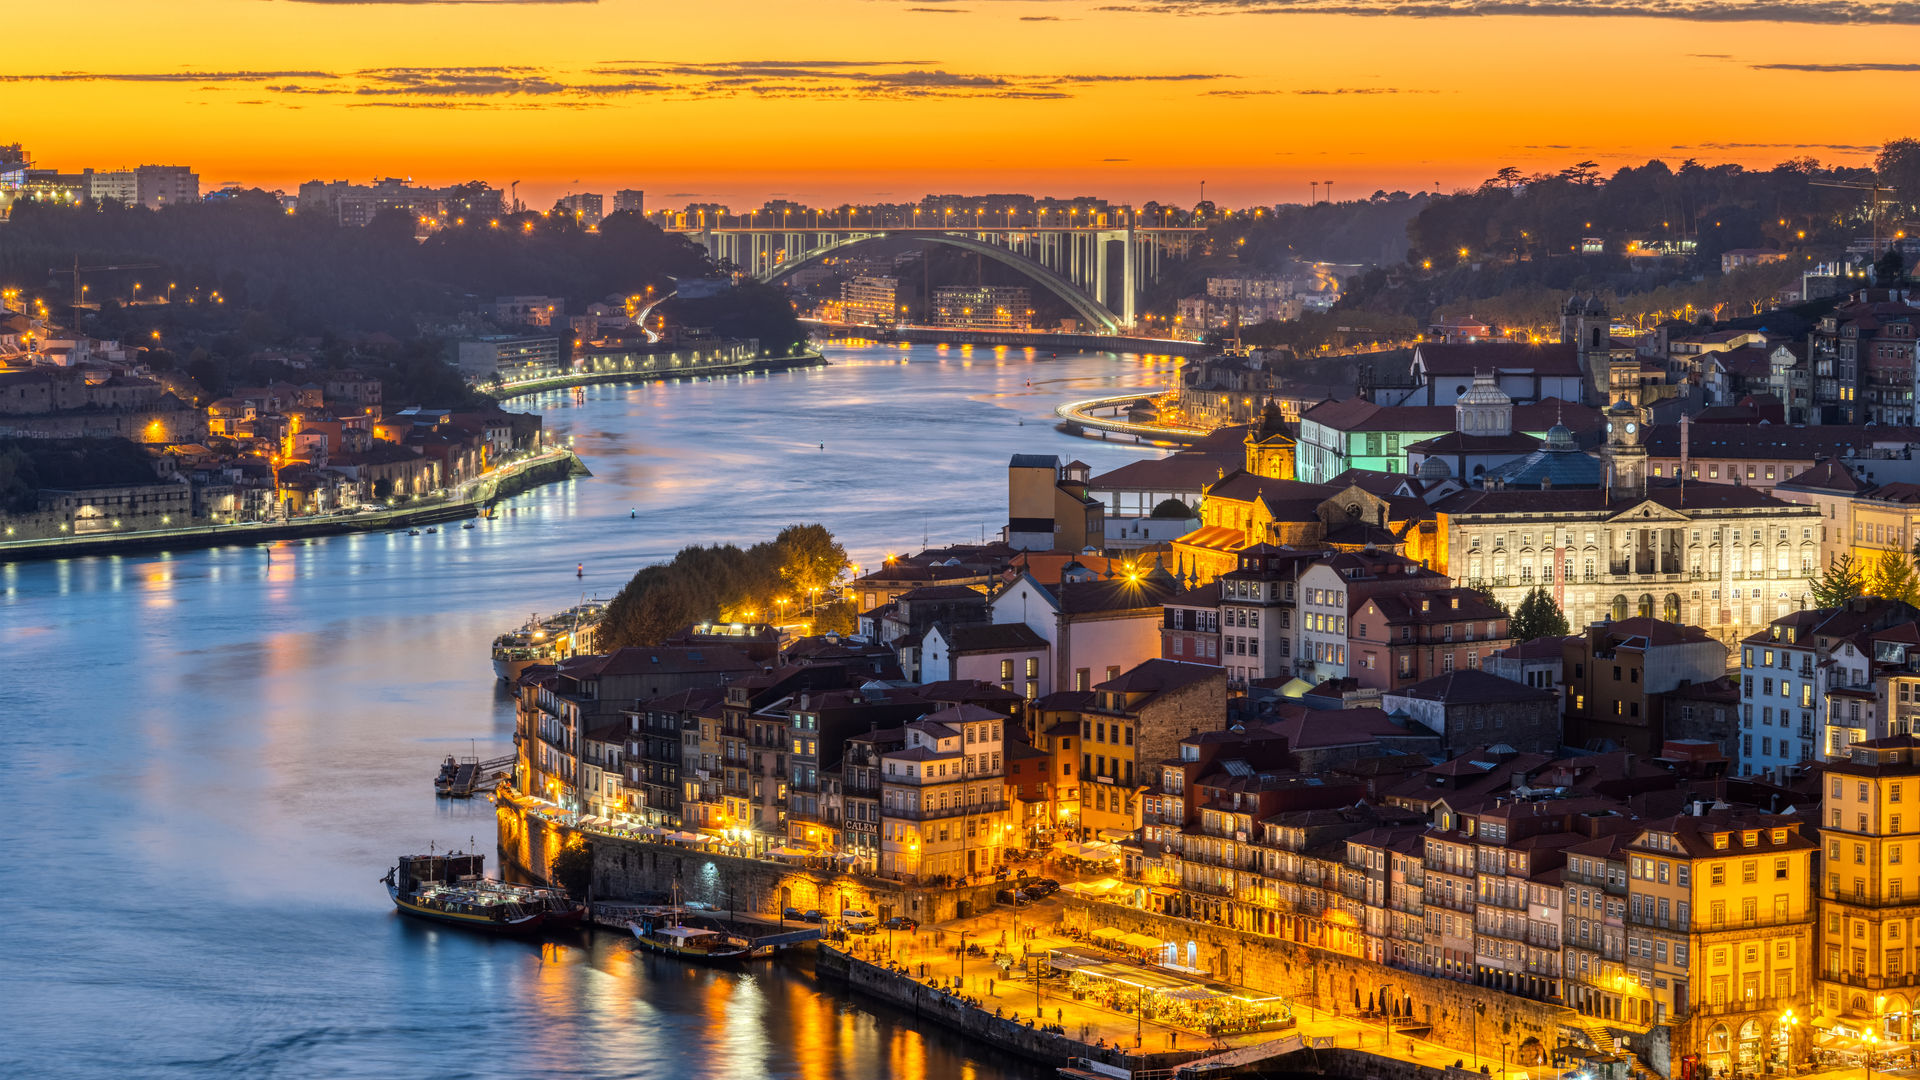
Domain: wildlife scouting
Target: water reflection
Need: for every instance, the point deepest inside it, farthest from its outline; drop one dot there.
(213, 755)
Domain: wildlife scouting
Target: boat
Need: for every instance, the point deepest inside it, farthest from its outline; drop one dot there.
(432, 529)
(663, 930)
(413, 532)
(468, 525)
(694, 943)
(451, 888)
(443, 783)
(547, 641)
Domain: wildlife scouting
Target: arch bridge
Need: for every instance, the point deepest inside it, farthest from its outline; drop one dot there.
(1074, 263)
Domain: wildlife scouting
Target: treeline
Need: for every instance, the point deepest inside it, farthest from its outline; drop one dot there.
(1720, 207)
(311, 275)
(726, 582)
(28, 465)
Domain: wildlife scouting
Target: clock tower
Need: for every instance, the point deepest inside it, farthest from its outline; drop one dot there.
(1625, 452)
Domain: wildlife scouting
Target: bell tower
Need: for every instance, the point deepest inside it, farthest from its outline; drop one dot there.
(1586, 325)
(1625, 453)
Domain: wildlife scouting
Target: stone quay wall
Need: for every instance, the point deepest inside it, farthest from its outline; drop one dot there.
(1329, 981)
(926, 1003)
(636, 871)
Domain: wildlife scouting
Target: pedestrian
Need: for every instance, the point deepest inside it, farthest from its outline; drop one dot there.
(990, 985)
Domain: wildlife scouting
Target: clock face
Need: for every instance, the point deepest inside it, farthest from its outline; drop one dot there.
(1630, 428)
(1609, 427)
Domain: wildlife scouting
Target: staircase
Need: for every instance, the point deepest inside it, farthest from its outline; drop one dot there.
(1601, 1038)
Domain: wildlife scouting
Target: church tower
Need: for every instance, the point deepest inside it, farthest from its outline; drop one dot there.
(1586, 325)
(1270, 450)
(1625, 453)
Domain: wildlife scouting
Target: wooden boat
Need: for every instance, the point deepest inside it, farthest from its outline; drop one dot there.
(449, 889)
(694, 943)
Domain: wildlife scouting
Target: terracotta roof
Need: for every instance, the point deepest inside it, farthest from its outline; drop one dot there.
(659, 659)
(1178, 472)
(1454, 442)
(1828, 475)
(992, 637)
(941, 592)
(1465, 361)
(1471, 686)
(1155, 677)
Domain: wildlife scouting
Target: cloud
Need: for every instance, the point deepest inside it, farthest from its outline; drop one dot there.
(1336, 91)
(1823, 12)
(446, 86)
(1039, 18)
(470, 3)
(166, 76)
(939, 10)
(1850, 148)
(1115, 159)
(1835, 68)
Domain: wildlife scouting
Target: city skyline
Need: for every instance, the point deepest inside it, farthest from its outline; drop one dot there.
(1061, 98)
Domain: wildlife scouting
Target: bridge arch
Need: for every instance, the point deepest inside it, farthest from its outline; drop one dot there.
(1093, 311)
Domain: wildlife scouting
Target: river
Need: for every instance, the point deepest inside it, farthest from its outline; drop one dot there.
(213, 756)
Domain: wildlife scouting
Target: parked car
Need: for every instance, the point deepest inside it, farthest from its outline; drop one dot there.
(900, 922)
(1045, 886)
(1011, 896)
(813, 915)
(857, 916)
(696, 905)
(793, 913)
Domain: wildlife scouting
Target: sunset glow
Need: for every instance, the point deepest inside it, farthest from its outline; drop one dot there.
(851, 100)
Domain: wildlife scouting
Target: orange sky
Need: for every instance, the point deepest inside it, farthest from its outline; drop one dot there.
(837, 100)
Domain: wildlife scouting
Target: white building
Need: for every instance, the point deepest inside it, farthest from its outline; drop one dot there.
(1795, 674)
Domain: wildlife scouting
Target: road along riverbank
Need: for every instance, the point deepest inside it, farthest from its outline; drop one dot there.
(654, 367)
(470, 498)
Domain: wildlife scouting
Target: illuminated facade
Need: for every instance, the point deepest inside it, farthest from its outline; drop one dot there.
(1869, 974)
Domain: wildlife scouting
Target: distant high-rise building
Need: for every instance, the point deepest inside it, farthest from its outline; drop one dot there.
(151, 186)
(871, 300)
(354, 205)
(630, 200)
(583, 208)
(983, 307)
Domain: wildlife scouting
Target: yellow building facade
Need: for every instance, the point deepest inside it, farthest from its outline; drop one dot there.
(1870, 890)
(1720, 929)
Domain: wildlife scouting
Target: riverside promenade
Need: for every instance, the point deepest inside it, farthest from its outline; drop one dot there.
(462, 501)
(654, 367)
(930, 973)
(1084, 413)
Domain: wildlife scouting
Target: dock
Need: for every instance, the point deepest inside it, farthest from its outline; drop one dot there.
(767, 936)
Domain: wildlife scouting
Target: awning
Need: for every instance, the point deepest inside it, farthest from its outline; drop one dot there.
(1189, 993)
(790, 852)
(1142, 941)
(1116, 834)
(1106, 933)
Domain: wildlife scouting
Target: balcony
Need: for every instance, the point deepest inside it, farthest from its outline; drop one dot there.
(934, 814)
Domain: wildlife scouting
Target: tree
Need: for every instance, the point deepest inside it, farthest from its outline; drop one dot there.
(1891, 576)
(572, 868)
(1537, 617)
(1485, 592)
(1839, 584)
(1888, 269)
(1898, 165)
(811, 560)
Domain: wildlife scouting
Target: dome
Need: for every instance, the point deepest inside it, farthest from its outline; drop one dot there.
(1435, 469)
(1484, 391)
(1559, 440)
(1622, 408)
(1595, 305)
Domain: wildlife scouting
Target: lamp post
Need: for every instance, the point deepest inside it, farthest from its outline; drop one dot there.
(1386, 1021)
(963, 959)
(1479, 1010)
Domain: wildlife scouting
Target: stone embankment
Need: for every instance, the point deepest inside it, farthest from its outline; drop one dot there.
(647, 371)
(834, 966)
(510, 479)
